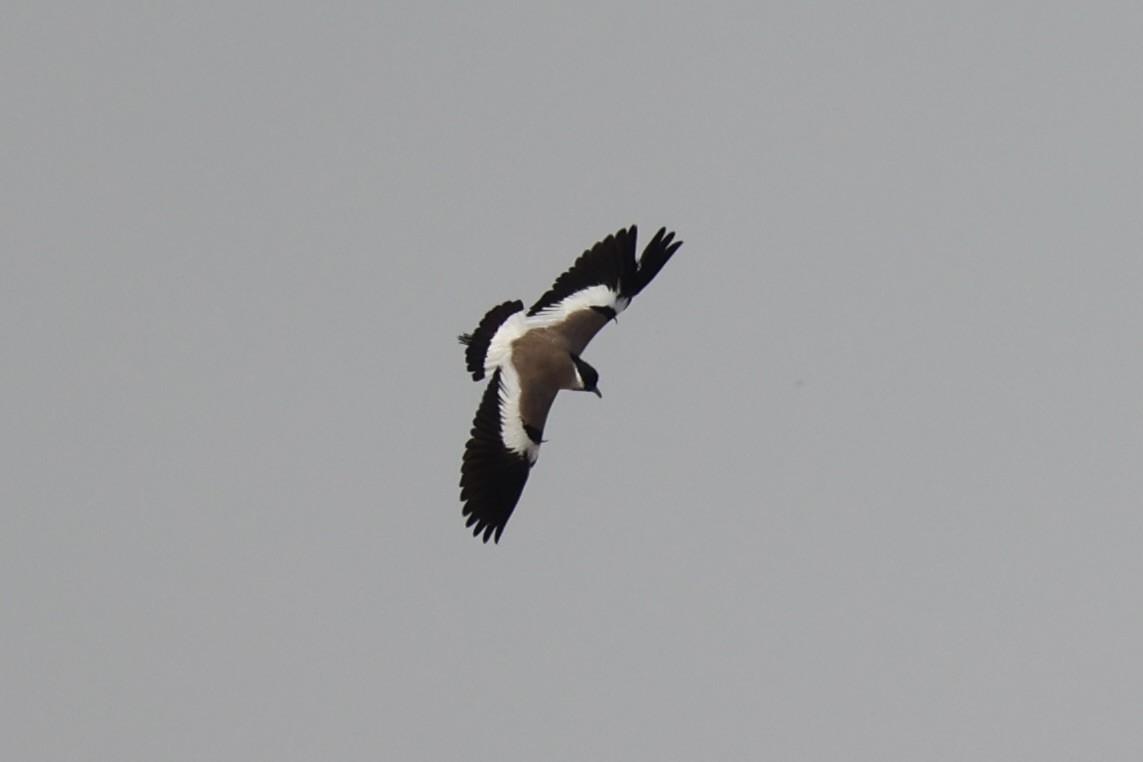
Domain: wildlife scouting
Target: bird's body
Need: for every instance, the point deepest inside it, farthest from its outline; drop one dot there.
(531, 356)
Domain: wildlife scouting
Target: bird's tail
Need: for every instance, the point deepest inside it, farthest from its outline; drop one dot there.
(476, 343)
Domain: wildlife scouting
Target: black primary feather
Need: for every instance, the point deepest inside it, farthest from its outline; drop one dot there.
(658, 252)
(492, 477)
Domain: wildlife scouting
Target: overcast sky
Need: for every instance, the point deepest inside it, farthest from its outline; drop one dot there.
(866, 482)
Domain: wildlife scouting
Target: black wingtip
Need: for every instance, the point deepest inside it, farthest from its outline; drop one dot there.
(492, 477)
(658, 252)
(490, 531)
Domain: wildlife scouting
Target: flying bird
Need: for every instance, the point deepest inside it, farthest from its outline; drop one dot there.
(529, 356)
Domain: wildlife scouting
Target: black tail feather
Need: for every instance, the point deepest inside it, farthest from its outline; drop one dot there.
(476, 343)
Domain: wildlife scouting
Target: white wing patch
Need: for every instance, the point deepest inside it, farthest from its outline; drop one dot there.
(586, 298)
(499, 355)
(511, 424)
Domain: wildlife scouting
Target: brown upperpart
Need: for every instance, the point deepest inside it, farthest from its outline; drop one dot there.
(542, 359)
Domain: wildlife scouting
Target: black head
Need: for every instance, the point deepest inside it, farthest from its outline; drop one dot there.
(588, 375)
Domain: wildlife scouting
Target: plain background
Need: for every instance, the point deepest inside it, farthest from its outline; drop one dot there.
(866, 481)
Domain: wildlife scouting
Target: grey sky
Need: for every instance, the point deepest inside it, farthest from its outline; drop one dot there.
(866, 481)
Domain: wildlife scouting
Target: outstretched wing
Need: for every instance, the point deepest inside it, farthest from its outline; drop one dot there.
(497, 460)
(600, 285)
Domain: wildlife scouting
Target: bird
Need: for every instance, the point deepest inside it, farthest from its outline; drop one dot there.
(529, 356)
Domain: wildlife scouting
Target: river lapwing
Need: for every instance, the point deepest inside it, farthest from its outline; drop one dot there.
(530, 356)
